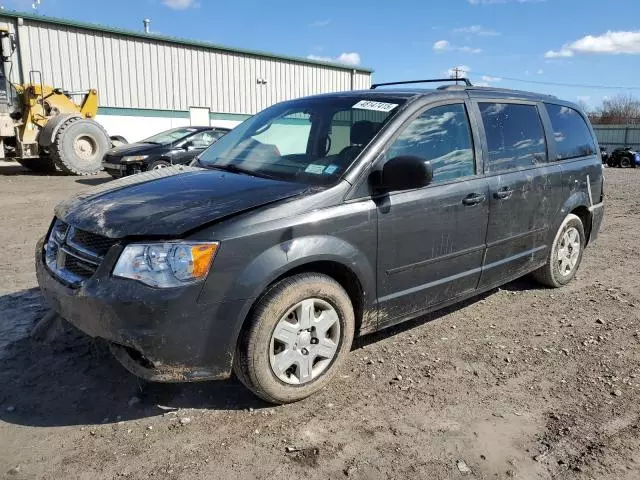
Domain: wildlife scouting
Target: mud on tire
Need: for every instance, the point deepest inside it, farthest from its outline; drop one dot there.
(79, 146)
(550, 273)
(252, 363)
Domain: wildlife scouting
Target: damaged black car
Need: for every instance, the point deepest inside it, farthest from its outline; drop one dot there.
(321, 219)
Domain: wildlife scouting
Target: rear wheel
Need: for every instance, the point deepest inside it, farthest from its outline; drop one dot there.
(79, 146)
(298, 337)
(625, 162)
(565, 255)
(40, 165)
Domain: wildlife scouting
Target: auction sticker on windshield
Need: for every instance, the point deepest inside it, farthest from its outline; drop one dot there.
(376, 106)
(314, 168)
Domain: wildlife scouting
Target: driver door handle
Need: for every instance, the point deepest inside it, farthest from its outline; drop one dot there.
(503, 193)
(474, 199)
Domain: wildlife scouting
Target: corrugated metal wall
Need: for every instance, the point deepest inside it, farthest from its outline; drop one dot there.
(133, 72)
(618, 136)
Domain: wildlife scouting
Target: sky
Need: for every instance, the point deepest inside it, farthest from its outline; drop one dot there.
(578, 42)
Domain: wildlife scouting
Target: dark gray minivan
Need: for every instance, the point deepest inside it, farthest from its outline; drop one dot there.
(321, 219)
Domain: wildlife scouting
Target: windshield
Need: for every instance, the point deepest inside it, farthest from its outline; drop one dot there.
(311, 140)
(170, 136)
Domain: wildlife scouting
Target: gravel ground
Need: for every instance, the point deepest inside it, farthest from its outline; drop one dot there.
(521, 382)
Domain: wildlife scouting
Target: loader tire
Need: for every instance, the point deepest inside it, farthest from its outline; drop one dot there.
(40, 165)
(79, 145)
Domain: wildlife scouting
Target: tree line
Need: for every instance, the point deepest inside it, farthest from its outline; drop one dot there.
(623, 109)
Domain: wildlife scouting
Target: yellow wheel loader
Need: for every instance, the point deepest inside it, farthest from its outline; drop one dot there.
(42, 127)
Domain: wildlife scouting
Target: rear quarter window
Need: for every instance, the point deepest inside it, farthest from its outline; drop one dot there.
(515, 137)
(570, 132)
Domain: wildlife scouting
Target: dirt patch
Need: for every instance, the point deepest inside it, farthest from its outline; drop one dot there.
(522, 382)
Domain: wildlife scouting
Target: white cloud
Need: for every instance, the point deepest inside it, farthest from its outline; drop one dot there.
(488, 79)
(610, 43)
(584, 98)
(180, 4)
(349, 58)
(476, 30)
(563, 53)
(540, 72)
(481, 84)
(320, 23)
(443, 46)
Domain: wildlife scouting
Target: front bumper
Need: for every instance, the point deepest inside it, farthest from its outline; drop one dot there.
(121, 169)
(158, 334)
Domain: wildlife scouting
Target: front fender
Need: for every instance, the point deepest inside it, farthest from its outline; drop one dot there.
(297, 252)
(288, 255)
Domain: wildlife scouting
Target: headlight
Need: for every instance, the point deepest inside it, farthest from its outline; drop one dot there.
(134, 158)
(169, 264)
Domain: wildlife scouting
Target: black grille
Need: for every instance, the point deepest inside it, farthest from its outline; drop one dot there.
(90, 241)
(79, 267)
(75, 255)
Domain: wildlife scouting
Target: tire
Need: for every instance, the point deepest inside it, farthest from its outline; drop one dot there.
(158, 164)
(626, 162)
(259, 354)
(40, 165)
(79, 146)
(551, 274)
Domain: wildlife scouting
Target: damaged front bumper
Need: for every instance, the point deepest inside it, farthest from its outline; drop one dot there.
(162, 335)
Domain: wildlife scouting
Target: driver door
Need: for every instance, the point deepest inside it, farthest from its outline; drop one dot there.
(431, 240)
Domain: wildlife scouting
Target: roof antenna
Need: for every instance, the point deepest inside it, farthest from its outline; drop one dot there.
(146, 22)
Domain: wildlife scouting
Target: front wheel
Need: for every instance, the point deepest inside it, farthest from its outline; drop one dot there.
(158, 164)
(565, 255)
(299, 335)
(79, 146)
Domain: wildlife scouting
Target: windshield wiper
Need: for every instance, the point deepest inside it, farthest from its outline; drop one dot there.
(235, 169)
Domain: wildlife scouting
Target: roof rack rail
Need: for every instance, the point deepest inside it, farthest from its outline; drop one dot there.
(432, 80)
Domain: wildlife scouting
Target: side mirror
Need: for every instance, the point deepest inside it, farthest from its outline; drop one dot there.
(405, 173)
(188, 146)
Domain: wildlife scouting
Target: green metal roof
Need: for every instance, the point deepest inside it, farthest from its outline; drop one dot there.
(175, 40)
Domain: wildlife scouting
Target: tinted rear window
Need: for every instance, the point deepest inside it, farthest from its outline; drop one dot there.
(515, 138)
(570, 131)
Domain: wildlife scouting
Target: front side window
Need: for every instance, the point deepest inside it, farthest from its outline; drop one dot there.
(205, 138)
(442, 136)
(515, 137)
(170, 136)
(310, 140)
(570, 132)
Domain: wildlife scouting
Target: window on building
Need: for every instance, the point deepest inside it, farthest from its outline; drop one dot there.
(515, 137)
(441, 135)
(570, 132)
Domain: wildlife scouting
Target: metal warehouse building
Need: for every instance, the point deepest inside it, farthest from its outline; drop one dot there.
(148, 83)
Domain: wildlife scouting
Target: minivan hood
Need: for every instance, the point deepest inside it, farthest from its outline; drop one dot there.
(170, 202)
